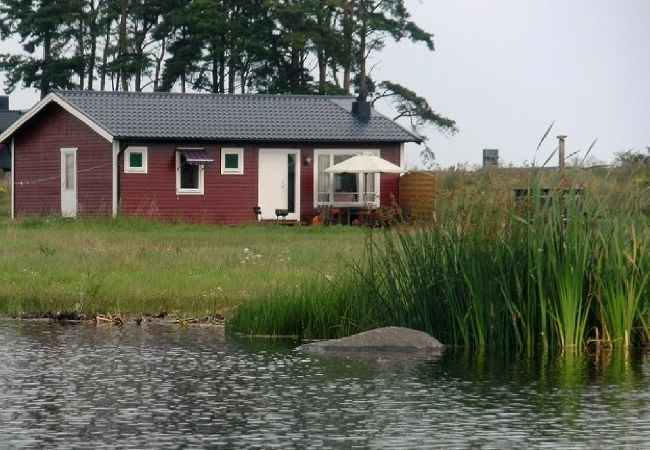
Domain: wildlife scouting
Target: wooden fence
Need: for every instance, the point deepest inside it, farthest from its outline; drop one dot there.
(417, 192)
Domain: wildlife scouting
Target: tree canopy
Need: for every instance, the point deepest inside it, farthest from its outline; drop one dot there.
(220, 46)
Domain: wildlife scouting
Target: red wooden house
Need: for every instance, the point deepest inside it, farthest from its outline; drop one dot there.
(197, 157)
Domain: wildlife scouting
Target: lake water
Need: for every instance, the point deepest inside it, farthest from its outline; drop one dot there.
(163, 386)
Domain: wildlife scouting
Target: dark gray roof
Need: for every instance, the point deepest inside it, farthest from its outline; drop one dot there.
(233, 117)
(7, 117)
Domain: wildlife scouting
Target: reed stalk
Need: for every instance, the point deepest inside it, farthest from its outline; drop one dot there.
(621, 281)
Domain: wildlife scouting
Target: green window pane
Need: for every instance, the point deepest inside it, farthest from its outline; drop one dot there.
(135, 160)
(232, 161)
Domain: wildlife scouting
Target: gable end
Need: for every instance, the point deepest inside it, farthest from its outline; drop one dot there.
(53, 97)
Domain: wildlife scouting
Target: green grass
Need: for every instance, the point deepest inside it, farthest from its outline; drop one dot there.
(133, 266)
(486, 271)
(5, 195)
(324, 308)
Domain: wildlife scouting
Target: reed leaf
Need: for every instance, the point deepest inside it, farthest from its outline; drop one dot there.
(544, 136)
(621, 281)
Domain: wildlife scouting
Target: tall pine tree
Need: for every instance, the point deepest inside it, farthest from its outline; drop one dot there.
(43, 26)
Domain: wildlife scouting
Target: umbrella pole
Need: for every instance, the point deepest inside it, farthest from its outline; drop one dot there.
(365, 187)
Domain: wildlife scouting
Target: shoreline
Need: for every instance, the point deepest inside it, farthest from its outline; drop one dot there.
(73, 318)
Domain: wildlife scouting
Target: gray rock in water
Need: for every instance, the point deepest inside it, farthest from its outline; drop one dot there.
(381, 340)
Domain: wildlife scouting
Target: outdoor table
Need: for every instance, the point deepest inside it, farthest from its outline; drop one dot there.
(355, 211)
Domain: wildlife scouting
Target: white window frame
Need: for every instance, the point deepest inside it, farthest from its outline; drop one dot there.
(360, 181)
(127, 160)
(185, 191)
(232, 151)
(74, 151)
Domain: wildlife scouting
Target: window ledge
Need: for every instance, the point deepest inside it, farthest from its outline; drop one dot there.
(350, 204)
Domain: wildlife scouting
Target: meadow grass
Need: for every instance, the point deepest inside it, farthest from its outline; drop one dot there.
(324, 308)
(132, 266)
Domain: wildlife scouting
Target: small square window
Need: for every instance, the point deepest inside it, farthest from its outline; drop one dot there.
(232, 161)
(135, 160)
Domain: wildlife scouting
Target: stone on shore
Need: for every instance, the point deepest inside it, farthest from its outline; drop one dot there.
(395, 340)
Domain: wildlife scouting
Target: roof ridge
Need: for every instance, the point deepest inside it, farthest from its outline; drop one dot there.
(76, 92)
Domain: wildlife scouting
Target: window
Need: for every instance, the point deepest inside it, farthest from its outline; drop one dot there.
(190, 168)
(69, 182)
(135, 160)
(232, 161)
(343, 188)
(346, 185)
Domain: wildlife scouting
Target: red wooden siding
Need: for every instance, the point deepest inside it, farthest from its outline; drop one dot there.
(37, 165)
(307, 184)
(226, 198)
(389, 182)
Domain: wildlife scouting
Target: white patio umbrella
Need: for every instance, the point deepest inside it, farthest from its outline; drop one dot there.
(365, 164)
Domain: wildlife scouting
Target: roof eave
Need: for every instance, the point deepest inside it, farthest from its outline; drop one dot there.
(257, 140)
(416, 137)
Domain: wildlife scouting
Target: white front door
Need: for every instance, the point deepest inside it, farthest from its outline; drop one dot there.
(279, 182)
(69, 182)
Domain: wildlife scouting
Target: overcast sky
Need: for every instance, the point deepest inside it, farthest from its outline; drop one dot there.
(506, 69)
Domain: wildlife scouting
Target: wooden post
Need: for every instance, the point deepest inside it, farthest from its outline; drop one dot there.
(561, 153)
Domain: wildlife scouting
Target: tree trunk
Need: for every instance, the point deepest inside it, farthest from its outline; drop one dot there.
(215, 74)
(322, 71)
(159, 60)
(323, 22)
(294, 74)
(81, 66)
(91, 57)
(123, 46)
(348, 26)
(335, 73)
(92, 29)
(222, 70)
(104, 67)
(363, 88)
(301, 72)
(231, 74)
(138, 73)
(139, 37)
(47, 54)
(215, 66)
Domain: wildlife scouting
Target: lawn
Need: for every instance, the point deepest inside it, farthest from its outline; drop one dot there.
(130, 266)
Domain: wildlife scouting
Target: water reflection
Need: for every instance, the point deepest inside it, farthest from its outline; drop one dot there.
(169, 387)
